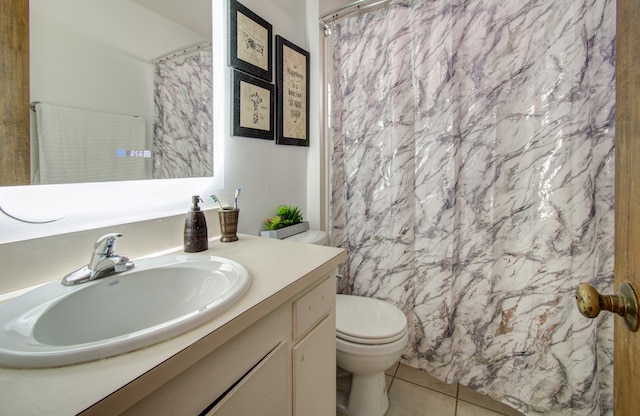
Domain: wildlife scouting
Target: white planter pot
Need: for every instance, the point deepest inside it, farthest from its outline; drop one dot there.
(286, 231)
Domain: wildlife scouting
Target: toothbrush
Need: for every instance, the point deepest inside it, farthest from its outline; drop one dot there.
(235, 199)
(215, 199)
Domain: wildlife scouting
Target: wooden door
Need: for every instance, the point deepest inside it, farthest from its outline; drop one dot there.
(14, 92)
(627, 201)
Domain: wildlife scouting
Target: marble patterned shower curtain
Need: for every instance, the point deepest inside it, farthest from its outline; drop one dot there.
(183, 125)
(473, 186)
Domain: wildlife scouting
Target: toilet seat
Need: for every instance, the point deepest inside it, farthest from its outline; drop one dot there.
(370, 341)
(368, 321)
(372, 350)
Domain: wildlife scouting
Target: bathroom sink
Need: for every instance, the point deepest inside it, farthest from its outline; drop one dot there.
(55, 325)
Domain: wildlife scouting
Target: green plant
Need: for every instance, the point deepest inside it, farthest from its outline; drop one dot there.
(285, 216)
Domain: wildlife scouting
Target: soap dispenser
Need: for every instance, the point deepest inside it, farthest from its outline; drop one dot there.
(195, 228)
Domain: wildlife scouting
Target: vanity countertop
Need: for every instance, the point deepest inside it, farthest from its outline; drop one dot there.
(279, 271)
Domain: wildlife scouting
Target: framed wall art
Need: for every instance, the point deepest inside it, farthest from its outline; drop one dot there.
(252, 107)
(292, 89)
(250, 42)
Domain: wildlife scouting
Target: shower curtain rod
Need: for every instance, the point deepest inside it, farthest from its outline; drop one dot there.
(354, 7)
(183, 51)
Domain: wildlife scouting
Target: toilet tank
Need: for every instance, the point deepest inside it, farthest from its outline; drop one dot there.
(311, 237)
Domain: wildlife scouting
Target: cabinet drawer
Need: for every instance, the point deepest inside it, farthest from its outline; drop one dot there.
(312, 307)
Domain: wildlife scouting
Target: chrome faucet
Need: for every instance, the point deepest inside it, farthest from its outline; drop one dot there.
(104, 262)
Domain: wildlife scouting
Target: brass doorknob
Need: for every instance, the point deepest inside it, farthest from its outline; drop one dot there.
(625, 303)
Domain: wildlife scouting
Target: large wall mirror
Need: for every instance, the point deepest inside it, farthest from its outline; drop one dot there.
(119, 90)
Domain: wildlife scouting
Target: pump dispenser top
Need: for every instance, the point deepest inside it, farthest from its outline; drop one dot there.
(195, 203)
(195, 228)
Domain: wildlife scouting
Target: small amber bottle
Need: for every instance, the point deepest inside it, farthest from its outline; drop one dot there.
(195, 228)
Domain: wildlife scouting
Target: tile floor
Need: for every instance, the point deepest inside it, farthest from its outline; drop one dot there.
(414, 393)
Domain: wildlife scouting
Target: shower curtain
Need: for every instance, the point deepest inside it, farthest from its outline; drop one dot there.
(473, 186)
(183, 116)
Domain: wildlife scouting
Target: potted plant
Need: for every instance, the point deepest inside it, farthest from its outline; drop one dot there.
(288, 221)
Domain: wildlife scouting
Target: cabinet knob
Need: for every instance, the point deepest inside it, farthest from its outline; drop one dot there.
(625, 303)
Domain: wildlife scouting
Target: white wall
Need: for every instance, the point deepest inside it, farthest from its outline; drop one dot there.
(269, 175)
(328, 5)
(317, 203)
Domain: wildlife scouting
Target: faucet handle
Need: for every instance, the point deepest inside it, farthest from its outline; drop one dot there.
(106, 244)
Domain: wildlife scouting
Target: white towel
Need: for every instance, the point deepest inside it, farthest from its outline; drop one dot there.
(87, 146)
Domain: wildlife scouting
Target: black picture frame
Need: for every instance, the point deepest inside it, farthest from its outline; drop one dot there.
(248, 34)
(252, 110)
(292, 90)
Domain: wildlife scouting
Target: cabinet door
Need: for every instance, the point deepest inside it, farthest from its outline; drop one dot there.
(263, 391)
(314, 371)
(193, 390)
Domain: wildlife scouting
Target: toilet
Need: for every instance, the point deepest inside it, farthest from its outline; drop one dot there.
(371, 335)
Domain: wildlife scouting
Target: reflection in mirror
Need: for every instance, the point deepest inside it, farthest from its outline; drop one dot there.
(121, 89)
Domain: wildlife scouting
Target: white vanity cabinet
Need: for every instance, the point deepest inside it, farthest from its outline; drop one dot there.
(283, 364)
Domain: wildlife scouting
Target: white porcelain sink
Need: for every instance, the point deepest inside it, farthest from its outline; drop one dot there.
(55, 325)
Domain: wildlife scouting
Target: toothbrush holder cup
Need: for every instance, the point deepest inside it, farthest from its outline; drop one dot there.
(228, 225)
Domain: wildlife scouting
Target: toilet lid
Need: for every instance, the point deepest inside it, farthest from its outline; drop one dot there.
(368, 320)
